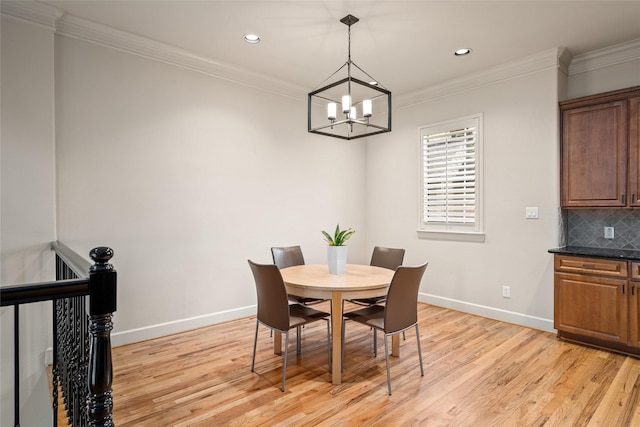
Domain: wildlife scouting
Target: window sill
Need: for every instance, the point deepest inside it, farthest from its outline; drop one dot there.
(453, 236)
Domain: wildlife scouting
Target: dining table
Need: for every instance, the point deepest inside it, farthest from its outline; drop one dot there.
(358, 281)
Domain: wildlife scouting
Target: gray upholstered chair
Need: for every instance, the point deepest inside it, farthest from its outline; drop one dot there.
(288, 256)
(275, 312)
(390, 258)
(399, 313)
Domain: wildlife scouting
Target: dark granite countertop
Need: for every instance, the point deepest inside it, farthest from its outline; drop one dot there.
(622, 254)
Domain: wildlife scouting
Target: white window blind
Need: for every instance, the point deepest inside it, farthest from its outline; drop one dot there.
(450, 173)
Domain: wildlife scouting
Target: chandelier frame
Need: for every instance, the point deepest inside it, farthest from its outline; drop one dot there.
(351, 126)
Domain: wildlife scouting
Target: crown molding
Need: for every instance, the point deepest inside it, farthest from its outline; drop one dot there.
(550, 59)
(82, 29)
(74, 27)
(606, 57)
(32, 11)
(564, 60)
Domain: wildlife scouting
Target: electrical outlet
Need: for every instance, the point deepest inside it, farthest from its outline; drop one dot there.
(608, 233)
(506, 291)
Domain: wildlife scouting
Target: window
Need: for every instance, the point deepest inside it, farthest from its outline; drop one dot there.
(451, 179)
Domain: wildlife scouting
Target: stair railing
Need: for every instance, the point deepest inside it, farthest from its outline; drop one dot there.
(84, 300)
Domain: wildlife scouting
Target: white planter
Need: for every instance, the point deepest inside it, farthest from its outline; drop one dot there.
(337, 259)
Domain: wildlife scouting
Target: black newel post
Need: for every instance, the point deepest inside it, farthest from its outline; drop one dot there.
(102, 304)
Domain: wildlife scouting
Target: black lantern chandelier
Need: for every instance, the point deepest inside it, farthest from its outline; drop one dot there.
(352, 107)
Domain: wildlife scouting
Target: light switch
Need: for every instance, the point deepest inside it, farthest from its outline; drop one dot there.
(531, 213)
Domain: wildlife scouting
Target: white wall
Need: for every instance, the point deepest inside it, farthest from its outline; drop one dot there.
(27, 194)
(520, 170)
(187, 176)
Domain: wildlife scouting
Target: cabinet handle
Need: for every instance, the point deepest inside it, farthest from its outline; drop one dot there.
(633, 290)
(622, 198)
(633, 198)
(588, 266)
(623, 289)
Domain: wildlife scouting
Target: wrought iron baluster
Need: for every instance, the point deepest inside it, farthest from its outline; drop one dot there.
(16, 364)
(54, 366)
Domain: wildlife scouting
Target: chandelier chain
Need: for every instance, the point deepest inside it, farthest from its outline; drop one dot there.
(349, 48)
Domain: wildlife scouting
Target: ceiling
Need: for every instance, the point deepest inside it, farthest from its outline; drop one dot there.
(406, 45)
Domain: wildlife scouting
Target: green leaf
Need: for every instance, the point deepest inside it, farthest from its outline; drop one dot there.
(328, 238)
(346, 235)
(339, 236)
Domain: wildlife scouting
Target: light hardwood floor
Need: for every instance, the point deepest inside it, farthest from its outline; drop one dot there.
(478, 372)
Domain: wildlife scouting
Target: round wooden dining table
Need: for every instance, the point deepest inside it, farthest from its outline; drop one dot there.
(315, 281)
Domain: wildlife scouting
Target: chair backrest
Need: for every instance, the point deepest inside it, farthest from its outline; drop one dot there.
(287, 256)
(401, 308)
(390, 258)
(273, 305)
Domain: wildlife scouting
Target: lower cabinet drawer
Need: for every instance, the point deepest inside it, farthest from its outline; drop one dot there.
(635, 270)
(592, 266)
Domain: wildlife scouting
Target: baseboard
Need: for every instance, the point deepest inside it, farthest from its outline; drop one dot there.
(490, 312)
(168, 328)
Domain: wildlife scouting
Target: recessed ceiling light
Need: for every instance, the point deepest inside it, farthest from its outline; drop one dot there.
(252, 38)
(462, 52)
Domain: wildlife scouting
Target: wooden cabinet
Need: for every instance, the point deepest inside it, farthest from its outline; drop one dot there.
(590, 298)
(600, 153)
(597, 302)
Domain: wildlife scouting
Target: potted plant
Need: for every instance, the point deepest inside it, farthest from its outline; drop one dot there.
(337, 250)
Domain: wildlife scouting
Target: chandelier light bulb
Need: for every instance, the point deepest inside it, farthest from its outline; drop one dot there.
(346, 104)
(352, 113)
(331, 110)
(367, 108)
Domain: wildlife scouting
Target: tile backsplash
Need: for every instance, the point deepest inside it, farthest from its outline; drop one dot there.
(585, 227)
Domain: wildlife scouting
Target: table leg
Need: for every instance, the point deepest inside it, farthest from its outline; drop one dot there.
(336, 336)
(395, 345)
(277, 342)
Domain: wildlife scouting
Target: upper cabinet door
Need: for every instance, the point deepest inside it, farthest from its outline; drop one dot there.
(594, 155)
(634, 151)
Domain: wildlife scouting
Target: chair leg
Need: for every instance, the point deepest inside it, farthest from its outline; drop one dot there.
(419, 350)
(298, 340)
(386, 355)
(284, 362)
(375, 342)
(255, 343)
